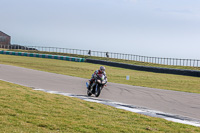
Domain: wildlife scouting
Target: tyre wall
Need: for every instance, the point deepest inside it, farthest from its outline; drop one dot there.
(67, 58)
(147, 68)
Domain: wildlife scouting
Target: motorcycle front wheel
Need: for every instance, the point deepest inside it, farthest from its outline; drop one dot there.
(98, 91)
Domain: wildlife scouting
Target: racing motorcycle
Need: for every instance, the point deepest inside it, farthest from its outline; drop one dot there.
(97, 85)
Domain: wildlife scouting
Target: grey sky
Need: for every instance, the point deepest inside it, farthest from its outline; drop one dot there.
(144, 27)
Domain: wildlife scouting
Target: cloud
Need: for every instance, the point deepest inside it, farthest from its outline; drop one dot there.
(185, 11)
(132, 1)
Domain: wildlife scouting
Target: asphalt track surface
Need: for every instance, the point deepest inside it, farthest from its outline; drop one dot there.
(173, 102)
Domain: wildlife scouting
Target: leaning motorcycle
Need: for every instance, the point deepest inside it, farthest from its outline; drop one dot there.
(97, 85)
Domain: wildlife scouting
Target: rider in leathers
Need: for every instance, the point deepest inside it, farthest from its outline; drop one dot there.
(94, 75)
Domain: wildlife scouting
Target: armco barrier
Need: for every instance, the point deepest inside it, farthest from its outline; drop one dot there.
(67, 58)
(147, 68)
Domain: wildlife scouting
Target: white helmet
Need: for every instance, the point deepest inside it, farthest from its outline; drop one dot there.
(102, 69)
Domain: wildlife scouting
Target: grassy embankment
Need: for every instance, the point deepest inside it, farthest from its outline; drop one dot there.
(111, 59)
(115, 75)
(25, 110)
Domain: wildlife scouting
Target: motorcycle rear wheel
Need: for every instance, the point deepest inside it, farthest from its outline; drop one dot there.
(89, 93)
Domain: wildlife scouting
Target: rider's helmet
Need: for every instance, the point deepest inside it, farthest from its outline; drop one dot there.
(102, 69)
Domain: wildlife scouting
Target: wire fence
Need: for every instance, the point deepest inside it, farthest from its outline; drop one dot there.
(156, 60)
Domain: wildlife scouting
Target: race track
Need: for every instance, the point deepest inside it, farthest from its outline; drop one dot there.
(174, 102)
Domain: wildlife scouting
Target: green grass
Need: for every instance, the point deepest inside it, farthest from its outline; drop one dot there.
(115, 75)
(114, 60)
(27, 111)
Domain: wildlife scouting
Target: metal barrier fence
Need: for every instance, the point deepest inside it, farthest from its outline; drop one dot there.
(156, 60)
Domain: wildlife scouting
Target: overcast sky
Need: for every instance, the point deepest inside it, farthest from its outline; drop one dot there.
(161, 28)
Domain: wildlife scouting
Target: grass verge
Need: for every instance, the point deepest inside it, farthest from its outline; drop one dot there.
(25, 110)
(115, 75)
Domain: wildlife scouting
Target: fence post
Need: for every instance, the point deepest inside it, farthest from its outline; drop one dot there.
(193, 63)
(155, 60)
(180, 62)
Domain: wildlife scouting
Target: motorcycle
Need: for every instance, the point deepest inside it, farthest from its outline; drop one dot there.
(97, 85)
